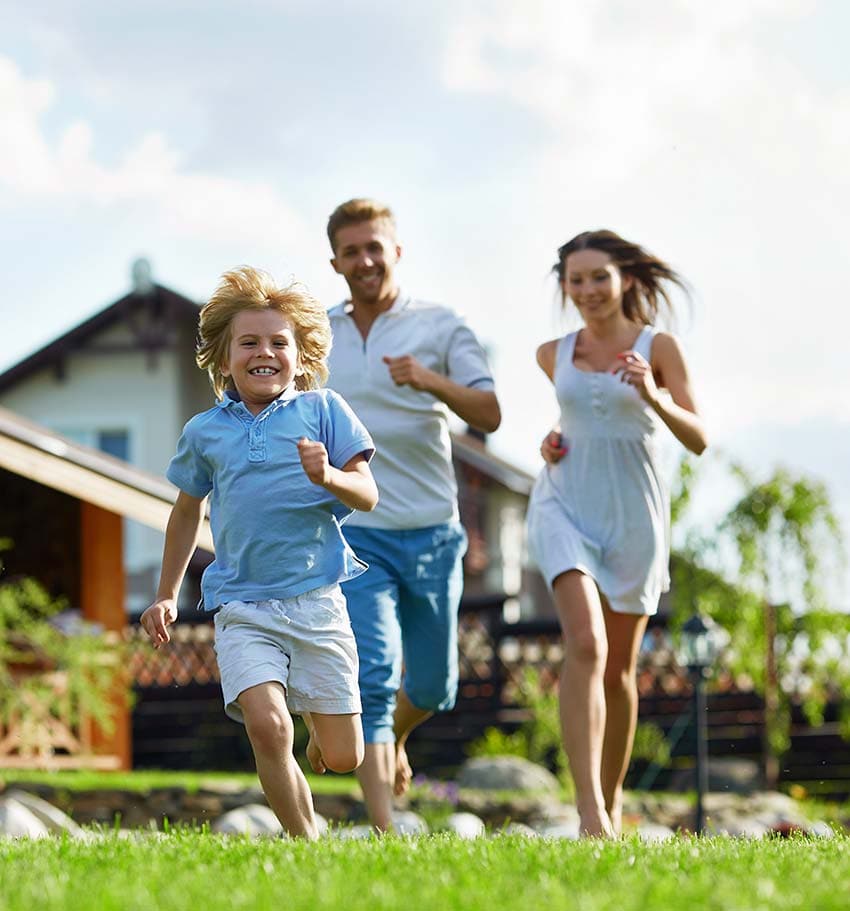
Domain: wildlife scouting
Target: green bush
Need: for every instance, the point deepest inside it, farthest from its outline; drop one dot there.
(31, 648)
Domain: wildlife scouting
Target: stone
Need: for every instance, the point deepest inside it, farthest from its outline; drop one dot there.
(352, 833)
(564, 830)
(737, 827)
(465, 825)
(735, 776)
(651, 833)
(517, 828)
(506, 773)
(51, 817)
(253, 819)
(406, 822)
(16, 821)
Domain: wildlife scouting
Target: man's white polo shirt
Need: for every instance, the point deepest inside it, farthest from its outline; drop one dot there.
(412, 464)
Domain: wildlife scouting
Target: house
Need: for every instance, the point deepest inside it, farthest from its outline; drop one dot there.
(62, 509)
(124, 382)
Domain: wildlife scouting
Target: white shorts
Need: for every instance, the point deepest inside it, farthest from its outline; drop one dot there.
(304, 643)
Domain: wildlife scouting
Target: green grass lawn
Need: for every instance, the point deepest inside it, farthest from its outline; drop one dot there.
(82, 780)
(203, 872)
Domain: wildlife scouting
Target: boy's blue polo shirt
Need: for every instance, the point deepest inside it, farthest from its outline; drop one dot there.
(276, 533)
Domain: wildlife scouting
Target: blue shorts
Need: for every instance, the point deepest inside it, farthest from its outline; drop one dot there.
(403, 611)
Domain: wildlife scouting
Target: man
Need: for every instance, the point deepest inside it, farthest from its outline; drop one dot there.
(402, 364)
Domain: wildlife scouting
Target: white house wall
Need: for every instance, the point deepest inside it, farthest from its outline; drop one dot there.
(114, 391)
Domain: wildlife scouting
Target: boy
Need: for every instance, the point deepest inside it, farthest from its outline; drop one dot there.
(286, 463)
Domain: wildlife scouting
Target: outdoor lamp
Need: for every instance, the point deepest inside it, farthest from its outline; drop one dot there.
(700, 643)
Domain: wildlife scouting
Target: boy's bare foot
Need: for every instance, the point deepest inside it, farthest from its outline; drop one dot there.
(403, 772)
(314, 756)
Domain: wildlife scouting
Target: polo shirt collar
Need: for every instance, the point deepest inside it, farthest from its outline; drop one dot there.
(401, 303)
(231, 397)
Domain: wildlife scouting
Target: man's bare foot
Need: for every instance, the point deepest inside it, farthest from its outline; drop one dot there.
(314, 756)
(403, 772)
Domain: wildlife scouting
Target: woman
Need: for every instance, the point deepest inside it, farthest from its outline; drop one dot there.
(599, 515)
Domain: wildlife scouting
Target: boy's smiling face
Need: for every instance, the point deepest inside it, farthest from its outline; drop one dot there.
(263, 357)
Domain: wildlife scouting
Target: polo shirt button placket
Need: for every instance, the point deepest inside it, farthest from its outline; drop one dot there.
(256, 442)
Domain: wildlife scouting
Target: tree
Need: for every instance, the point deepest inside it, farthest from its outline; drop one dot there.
(781, 533)
(784, 529)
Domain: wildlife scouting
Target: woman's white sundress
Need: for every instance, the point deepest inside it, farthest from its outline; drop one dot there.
(603, 508)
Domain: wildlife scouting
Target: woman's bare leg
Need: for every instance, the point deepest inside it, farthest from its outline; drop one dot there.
(625, 632)
(582, 695)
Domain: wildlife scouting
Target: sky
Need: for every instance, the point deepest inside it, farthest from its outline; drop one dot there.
(206, 134)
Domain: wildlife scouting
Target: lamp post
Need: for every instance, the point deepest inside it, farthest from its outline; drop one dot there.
(701, 642)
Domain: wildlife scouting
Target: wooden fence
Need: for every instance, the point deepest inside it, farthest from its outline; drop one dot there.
(179, 721)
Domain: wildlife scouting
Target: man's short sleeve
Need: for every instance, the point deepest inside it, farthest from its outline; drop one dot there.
(345, 435)
(188, 470)
(466, 359)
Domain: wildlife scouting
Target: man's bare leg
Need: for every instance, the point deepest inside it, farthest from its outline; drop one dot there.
(376, 775)
(405, 718)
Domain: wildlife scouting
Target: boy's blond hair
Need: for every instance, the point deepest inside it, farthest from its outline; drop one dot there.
(356, 211)
(246, 288)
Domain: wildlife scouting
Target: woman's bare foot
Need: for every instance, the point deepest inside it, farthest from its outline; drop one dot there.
(403, 772)
(314, 756)
(615, 814)
(595, 824)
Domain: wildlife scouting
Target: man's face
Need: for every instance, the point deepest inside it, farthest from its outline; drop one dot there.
(365, 255)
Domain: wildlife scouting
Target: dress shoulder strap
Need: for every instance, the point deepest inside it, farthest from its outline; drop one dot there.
(643, 343)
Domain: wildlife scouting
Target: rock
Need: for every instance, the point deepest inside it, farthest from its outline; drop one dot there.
(565, 830)
(51, 817)
(352, 833)
(253, 819)
(735, 776)
(649, 832)
(821, 829)
(16, 821)
(517, 828)
(406, 822)
(737, 827)
(506, 773)
(465, 825)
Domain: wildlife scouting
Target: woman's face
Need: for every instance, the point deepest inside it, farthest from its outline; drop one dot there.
(594, 283)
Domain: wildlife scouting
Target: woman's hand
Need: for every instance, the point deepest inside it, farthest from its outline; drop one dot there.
(635, 370)
(552, 448)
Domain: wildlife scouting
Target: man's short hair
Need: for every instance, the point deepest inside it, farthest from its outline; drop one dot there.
(356, 211)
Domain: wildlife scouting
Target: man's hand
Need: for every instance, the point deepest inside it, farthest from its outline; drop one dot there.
(156, 620)
(407, 371)
(314, 461)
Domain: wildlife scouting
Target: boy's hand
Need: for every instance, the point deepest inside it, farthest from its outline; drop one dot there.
(156, 619)
(314, 461)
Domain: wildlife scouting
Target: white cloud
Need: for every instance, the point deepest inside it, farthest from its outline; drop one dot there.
(680, 125)
(150, 174)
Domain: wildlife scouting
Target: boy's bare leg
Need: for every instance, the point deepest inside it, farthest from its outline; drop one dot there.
(376, 775)
(314, 751)
(271, 732)
(405, 718)
(336, 741)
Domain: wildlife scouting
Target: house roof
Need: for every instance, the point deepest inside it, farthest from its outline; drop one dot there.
(31, 451)
(162, 307)
(162, 303)
(472, 451)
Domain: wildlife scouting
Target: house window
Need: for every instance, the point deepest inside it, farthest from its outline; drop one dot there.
(115, 443)
(112, 441)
